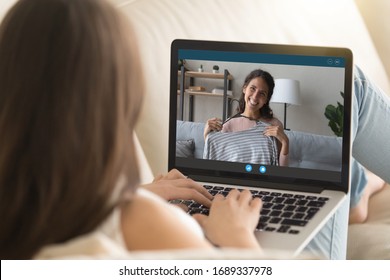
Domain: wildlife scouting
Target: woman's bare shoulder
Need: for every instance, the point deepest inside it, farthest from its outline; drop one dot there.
(275, 122)
(150, 223)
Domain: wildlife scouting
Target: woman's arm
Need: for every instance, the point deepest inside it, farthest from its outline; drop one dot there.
(150, 223)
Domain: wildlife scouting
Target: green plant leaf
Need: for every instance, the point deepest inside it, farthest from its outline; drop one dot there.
(330, 112)
(335, 115)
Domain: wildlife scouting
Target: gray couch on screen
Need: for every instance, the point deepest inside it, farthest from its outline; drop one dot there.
(305, 148)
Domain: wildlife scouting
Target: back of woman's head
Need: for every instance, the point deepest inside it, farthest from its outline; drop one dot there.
(70, 93)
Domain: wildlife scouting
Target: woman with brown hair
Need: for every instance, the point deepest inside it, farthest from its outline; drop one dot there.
(70, 94)
(254, 109)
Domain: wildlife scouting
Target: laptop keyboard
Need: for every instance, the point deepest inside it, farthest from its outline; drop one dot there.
(280, 211)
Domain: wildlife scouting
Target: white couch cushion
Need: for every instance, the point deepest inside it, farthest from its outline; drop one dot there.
(371, 240)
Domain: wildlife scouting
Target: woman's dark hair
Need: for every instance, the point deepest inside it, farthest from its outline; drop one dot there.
(265, 111)
(70, 94)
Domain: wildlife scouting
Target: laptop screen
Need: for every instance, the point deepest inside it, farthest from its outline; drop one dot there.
(311, 102)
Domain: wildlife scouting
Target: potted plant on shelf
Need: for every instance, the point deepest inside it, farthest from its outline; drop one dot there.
(215, 69)
(200, 69)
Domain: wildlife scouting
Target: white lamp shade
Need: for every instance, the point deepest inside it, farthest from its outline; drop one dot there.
(286, 91)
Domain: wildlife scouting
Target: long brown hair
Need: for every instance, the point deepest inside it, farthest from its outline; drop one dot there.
(70, 94)
(265, 111)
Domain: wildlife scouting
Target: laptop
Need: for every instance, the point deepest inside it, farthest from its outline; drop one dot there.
(206, 79)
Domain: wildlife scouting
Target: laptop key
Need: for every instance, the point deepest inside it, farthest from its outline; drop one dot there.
(267, 205)
(290, 201)
(323, 198)
(213, 192)
(313, 210)
(275, 220)
(264, 219)
(267, 198)
(195, 211)
(275, 213)
(196, 205)
(290, 208)
(287, 214)
(302, 209)
(298, 216)
(278, 200)
(309, 216)
(302, 202)
(261, 226)
(275, 194)
(265, 212)
(278, 206)
(224, 193)
(283, 229)
(316, 203)
(293, 222)
(187, 202)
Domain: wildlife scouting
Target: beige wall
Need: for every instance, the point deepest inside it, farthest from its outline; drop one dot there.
(376, 14)
(307, 22)
(4, 6)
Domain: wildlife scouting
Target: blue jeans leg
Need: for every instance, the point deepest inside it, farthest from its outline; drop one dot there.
(371, 126)
(370, 135)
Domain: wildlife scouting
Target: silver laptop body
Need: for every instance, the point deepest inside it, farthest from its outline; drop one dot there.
(199, 91)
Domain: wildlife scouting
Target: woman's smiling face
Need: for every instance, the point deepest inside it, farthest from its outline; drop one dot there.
(256, 95)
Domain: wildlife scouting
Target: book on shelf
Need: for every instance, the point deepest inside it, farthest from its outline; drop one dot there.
(196, 88)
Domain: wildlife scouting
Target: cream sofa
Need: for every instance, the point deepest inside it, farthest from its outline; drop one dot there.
(158, 22)
(333, 23)
(330, 22)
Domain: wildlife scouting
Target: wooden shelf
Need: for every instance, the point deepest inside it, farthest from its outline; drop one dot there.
(192, 93)
(204, 93)
(207, 75)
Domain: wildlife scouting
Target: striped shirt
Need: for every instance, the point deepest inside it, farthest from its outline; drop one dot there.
(249, 146)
